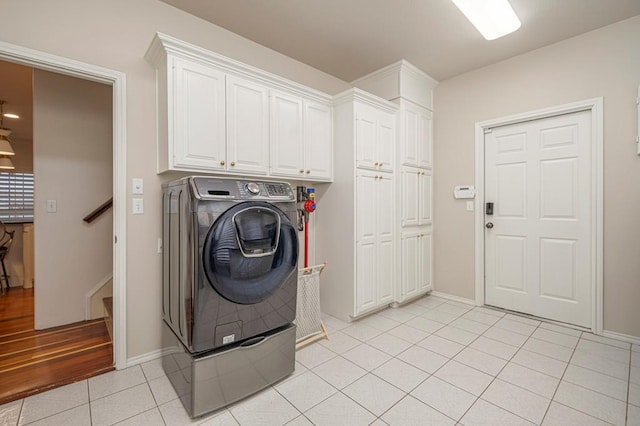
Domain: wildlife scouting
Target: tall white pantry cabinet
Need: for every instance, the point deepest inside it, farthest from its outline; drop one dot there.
(357, 221)
(412, 90)
(383, 205)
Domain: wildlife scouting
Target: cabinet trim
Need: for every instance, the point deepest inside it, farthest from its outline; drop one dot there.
(163, 44)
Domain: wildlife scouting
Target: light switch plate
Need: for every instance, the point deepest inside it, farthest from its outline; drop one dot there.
(52, 206)
(469, 206)
(138, 206)
(137, 186)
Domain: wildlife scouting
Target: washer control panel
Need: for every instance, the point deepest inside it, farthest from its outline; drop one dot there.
(252, 188)
(269, 190)
(232, 189)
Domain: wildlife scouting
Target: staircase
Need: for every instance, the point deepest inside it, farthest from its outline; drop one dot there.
(108, 315)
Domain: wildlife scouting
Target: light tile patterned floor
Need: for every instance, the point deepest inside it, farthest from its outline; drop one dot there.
(433, 362)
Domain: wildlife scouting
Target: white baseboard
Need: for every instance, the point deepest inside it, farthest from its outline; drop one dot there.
(454, 298)
(619, 336)
(150, 356)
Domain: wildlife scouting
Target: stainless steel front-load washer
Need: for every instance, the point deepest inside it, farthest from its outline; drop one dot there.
(229, 285)
(230, 259)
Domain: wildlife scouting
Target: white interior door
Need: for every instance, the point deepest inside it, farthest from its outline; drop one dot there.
(538, 257)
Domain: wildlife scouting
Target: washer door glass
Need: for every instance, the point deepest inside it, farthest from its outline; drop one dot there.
(249, 252)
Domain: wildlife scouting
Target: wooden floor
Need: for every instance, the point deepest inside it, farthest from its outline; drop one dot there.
(34, 361)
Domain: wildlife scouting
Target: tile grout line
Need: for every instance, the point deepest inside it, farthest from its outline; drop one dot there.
(560, 382)
(496, 377)
(626, 411)
(396, 357)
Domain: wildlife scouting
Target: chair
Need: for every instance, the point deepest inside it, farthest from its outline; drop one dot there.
(5, 244)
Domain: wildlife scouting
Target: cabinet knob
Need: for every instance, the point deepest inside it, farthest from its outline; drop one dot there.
(222, 163)
(375, 164)
(301, 171)
(233, 163)
(308, 171)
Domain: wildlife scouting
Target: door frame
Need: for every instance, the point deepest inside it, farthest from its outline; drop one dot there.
(595, 106)
(116, 79)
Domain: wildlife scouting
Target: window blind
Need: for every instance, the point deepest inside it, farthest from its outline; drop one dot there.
(16, 196)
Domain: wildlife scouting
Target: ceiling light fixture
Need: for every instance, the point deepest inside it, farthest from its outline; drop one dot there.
(492, 18)
(6, 149)
(10, 115)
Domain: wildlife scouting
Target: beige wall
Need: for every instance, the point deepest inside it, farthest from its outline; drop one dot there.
(72, 165)
(606, 63)
(116, 34)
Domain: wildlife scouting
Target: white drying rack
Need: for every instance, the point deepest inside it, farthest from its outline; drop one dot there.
(308, 317)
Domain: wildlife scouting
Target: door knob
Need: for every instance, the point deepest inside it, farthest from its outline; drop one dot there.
(489, 225)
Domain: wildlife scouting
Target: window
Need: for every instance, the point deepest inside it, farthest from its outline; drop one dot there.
(16, 197)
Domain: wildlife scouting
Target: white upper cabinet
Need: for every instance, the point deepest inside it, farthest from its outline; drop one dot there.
(247, 126)
(287, 135)
(318, 140)
(416, 148)
(375, 138)
(220, 116)
(301, 138)
(196, 114)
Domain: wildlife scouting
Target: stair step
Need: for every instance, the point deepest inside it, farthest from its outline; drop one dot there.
(108, 315)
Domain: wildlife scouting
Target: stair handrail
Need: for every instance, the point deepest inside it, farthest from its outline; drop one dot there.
(99, 211)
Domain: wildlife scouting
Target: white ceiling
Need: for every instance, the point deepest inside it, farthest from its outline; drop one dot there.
(351, 38)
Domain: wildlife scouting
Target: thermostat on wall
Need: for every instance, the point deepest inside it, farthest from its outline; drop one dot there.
(464, 192)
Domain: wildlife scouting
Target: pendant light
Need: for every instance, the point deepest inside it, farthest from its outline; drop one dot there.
(6, 163)
(6, 150)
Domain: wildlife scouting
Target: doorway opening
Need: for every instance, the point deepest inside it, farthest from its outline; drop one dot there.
(115, 81)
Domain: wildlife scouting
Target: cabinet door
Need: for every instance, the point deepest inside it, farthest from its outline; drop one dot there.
(425, 140)
(247, 126)
(366, 269)
(409, 145)
(366, 207)
(385, 226)
(410, 197)
(366, 135)
(287, 156)
(410, 265)
(384, 271)
(365, 292)
(386, 141)
(425, 261)
(385, 206)
(424, 197)
(318, 141)
(198, 116)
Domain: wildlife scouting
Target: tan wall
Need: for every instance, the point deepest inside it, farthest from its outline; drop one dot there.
(606, 63)
(116, 34)
(72, 147)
